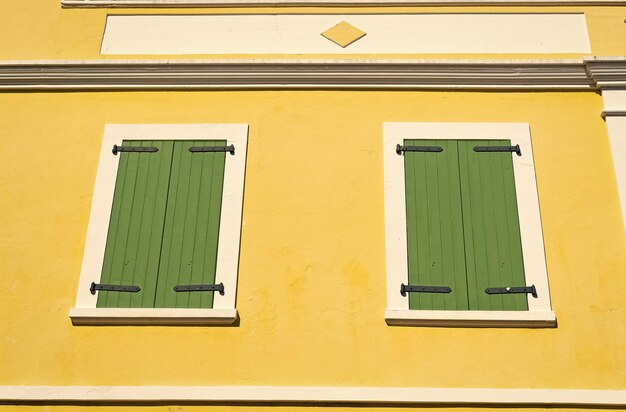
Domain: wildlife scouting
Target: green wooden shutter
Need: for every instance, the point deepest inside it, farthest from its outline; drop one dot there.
(133, 244)
(191, 229)
(463, 226)
(493, 246)
(164, 225)
(434, 225)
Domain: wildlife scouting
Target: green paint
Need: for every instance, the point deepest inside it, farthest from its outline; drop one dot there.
(462, 226)
(164, 225)
(191, 225)
(491, 226)
(434, 226)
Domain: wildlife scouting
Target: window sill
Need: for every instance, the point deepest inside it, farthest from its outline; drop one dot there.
(471, 319)
(175, 317)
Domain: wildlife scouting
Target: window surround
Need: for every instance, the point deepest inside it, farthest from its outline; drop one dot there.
(223, 312)
(539, 312)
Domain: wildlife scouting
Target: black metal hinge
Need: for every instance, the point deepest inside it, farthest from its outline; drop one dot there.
(200, 288)
(230, 149)
(113, 288)
(400, 149)
(514, 149)
(427, 289)
(516, 289)
(139, 149)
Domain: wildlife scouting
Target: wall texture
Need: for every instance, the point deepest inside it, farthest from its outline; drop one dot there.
(311, 291)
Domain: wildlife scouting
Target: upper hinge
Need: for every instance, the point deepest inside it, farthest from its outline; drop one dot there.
(400, 149)
(139, 149)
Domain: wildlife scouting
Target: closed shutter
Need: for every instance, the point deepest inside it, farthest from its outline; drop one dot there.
(434, 226)
(164, 225)
(462, 226)
(493, 245)
(133, 246)
(191, 225)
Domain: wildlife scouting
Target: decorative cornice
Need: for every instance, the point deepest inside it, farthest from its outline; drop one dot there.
(294, 74)
(290, 395)
(608, 73)
(326, 3)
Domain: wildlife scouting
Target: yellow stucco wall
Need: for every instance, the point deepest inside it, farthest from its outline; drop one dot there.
(42, 30)
(311, 292)
(311, 289)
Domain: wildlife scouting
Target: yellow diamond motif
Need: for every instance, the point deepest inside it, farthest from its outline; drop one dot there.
(343, 34)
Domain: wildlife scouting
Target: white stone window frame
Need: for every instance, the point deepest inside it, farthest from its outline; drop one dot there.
(539, 312)
(223, 312)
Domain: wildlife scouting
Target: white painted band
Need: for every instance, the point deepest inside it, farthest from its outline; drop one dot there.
(314, 395)
(126, 316)
(433, 33)
(273, 3)
(471, 318)
(590, 73)
(307, 73)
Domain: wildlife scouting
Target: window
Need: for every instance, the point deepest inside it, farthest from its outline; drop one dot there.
(462, 226)
(164, 227)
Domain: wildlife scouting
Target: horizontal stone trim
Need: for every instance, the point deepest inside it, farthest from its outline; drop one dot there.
(607, 72)
(220, 3)
(293, 74)
(286, 395)
(165, 316)
(471, 318)
(589, 74)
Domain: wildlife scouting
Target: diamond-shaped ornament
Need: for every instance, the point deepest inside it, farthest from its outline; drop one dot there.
(343, 34)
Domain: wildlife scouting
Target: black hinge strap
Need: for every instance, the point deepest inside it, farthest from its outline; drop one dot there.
(427, 289)
(516, 289)
(113, 288)
(230, 149)
(200, 288)
(514, 149)
(400, 149)
(139, 149)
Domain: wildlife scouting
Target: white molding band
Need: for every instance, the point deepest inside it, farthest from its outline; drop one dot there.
(280, 395)
(471, 319)
(388, 34)
(588, 74)
(614, 112)
(274, 3)
(177, 317)
(607, 72)
(297, 74)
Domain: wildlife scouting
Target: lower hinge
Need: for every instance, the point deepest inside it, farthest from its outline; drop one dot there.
(424, 289)
(200, 288)
(517, 289)
(113, 288)
(230, 149)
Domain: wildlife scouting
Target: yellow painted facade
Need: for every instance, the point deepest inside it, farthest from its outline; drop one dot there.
(312, 285)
